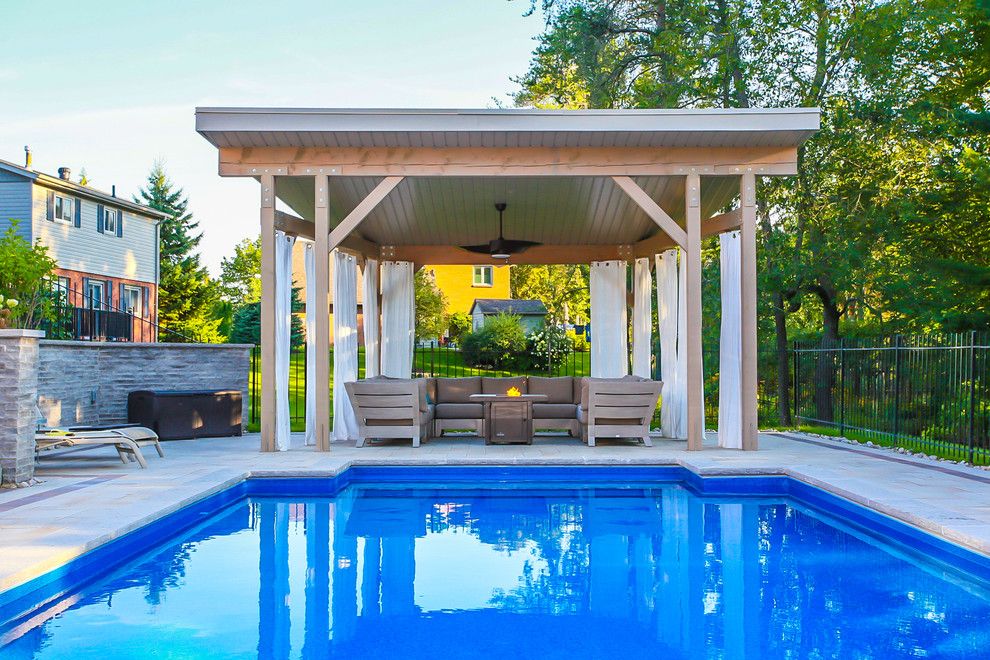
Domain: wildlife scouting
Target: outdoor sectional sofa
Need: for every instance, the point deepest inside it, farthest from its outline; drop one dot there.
(426, 407)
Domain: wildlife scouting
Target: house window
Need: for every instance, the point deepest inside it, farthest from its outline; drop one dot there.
(132, 300)
(482, 276)
(110, 219)
(95, 294)
(62, 211)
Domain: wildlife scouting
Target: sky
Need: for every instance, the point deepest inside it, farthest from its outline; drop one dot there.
(111, 86)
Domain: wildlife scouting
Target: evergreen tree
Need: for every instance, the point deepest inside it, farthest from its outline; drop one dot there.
(187, 296)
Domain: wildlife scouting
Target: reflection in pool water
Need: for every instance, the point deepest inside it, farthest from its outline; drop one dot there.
(569, 573)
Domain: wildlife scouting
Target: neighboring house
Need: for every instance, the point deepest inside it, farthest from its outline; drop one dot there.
(532, 314)
(462, 285)
(105, 248)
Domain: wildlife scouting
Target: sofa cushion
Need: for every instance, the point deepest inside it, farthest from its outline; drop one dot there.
(457, 390)
(502, 385)
(557, 390)
(431, 390)
(554, 411)
(459, 411)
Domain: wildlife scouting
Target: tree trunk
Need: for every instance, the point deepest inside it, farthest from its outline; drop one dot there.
(783, 370)
(825, 368)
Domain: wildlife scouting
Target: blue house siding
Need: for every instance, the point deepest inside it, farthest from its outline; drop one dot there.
(15, 204)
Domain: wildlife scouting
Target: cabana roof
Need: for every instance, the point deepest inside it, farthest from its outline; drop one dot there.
(458, 163)
(397, 128)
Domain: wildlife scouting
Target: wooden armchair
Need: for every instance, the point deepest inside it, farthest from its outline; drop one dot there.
(391, 408)
(618, 408)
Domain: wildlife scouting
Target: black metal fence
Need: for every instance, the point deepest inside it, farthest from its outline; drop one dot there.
(929, 392)
(436, 361)
(78, 316)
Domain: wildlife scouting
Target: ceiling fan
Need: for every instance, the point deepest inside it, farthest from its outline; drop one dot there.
(501, 247)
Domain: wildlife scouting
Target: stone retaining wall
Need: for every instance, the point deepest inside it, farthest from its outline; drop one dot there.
(88, 382)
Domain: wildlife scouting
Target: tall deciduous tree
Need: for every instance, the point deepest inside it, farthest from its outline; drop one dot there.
(186, 295)
(563, 289)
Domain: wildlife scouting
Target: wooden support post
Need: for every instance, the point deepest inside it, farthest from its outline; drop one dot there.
(747, 195)
(322, 256)
(269, 394)
(692, 343)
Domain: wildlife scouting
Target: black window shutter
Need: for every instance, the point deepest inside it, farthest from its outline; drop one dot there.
(85, 291)
(99, 218)
(123, 299)
(120, 224)
(78, 211)
(109, 289)
(144, 304)
(50, 208)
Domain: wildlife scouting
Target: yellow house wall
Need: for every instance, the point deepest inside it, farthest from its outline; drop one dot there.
(456, 283)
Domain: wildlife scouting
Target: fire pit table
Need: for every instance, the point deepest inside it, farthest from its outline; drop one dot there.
(508, 419)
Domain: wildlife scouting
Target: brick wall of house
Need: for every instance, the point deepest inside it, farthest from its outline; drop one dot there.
(88, 382)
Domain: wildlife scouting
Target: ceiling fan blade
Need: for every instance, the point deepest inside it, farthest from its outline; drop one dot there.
(517, 246)
(480, 249)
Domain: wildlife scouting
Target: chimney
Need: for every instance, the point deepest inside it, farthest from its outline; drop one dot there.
(113, 190)
(27, 157)
(64, 173)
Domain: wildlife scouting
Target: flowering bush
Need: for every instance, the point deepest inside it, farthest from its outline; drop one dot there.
(548, 346)
(24, 281)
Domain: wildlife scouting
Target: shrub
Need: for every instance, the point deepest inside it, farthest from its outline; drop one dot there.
(580, 344)
(497, 344)
(548, 347)
(25, 280)
(458, 325)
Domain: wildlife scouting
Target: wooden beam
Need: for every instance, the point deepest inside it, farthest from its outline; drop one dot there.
(269, 393)
(692, 252)
(652, 209)
(353, 244)
(540, 254)
(722, 222)
(361, 211)
(747, 195)
(322, 321)
(714, 225)
(508, 161)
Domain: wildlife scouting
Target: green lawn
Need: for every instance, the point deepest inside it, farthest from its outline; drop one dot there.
(911, 444)
(427, 362)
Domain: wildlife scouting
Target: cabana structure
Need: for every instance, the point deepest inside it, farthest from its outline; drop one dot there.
(404, 188)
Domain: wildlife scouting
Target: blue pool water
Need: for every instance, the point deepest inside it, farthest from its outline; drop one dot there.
(513, 564)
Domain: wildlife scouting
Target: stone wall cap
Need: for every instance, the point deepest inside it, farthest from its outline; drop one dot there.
(139, 344)
(8, 333)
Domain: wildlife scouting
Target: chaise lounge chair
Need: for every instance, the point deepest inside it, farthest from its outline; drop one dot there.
(127, 440)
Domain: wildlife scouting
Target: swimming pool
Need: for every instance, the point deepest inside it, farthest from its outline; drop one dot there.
(511, 562)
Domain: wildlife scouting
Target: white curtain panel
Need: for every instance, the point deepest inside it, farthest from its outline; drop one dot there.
(682, 401)
(609, 346)
(345, 344)
(398, 319)
(283, 335)
(371, 321)
(730, 345)
(642, 318)
(670, 409)
(312, 308)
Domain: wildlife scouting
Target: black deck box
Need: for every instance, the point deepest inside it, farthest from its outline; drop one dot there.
(176, 414)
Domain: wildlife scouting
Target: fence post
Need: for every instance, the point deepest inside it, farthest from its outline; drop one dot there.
(842, 386)
(897, 386)
(794, 349)
(972, 392)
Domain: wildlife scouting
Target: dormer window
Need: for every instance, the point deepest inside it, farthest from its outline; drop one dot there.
(111, 218)
(62, 209)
